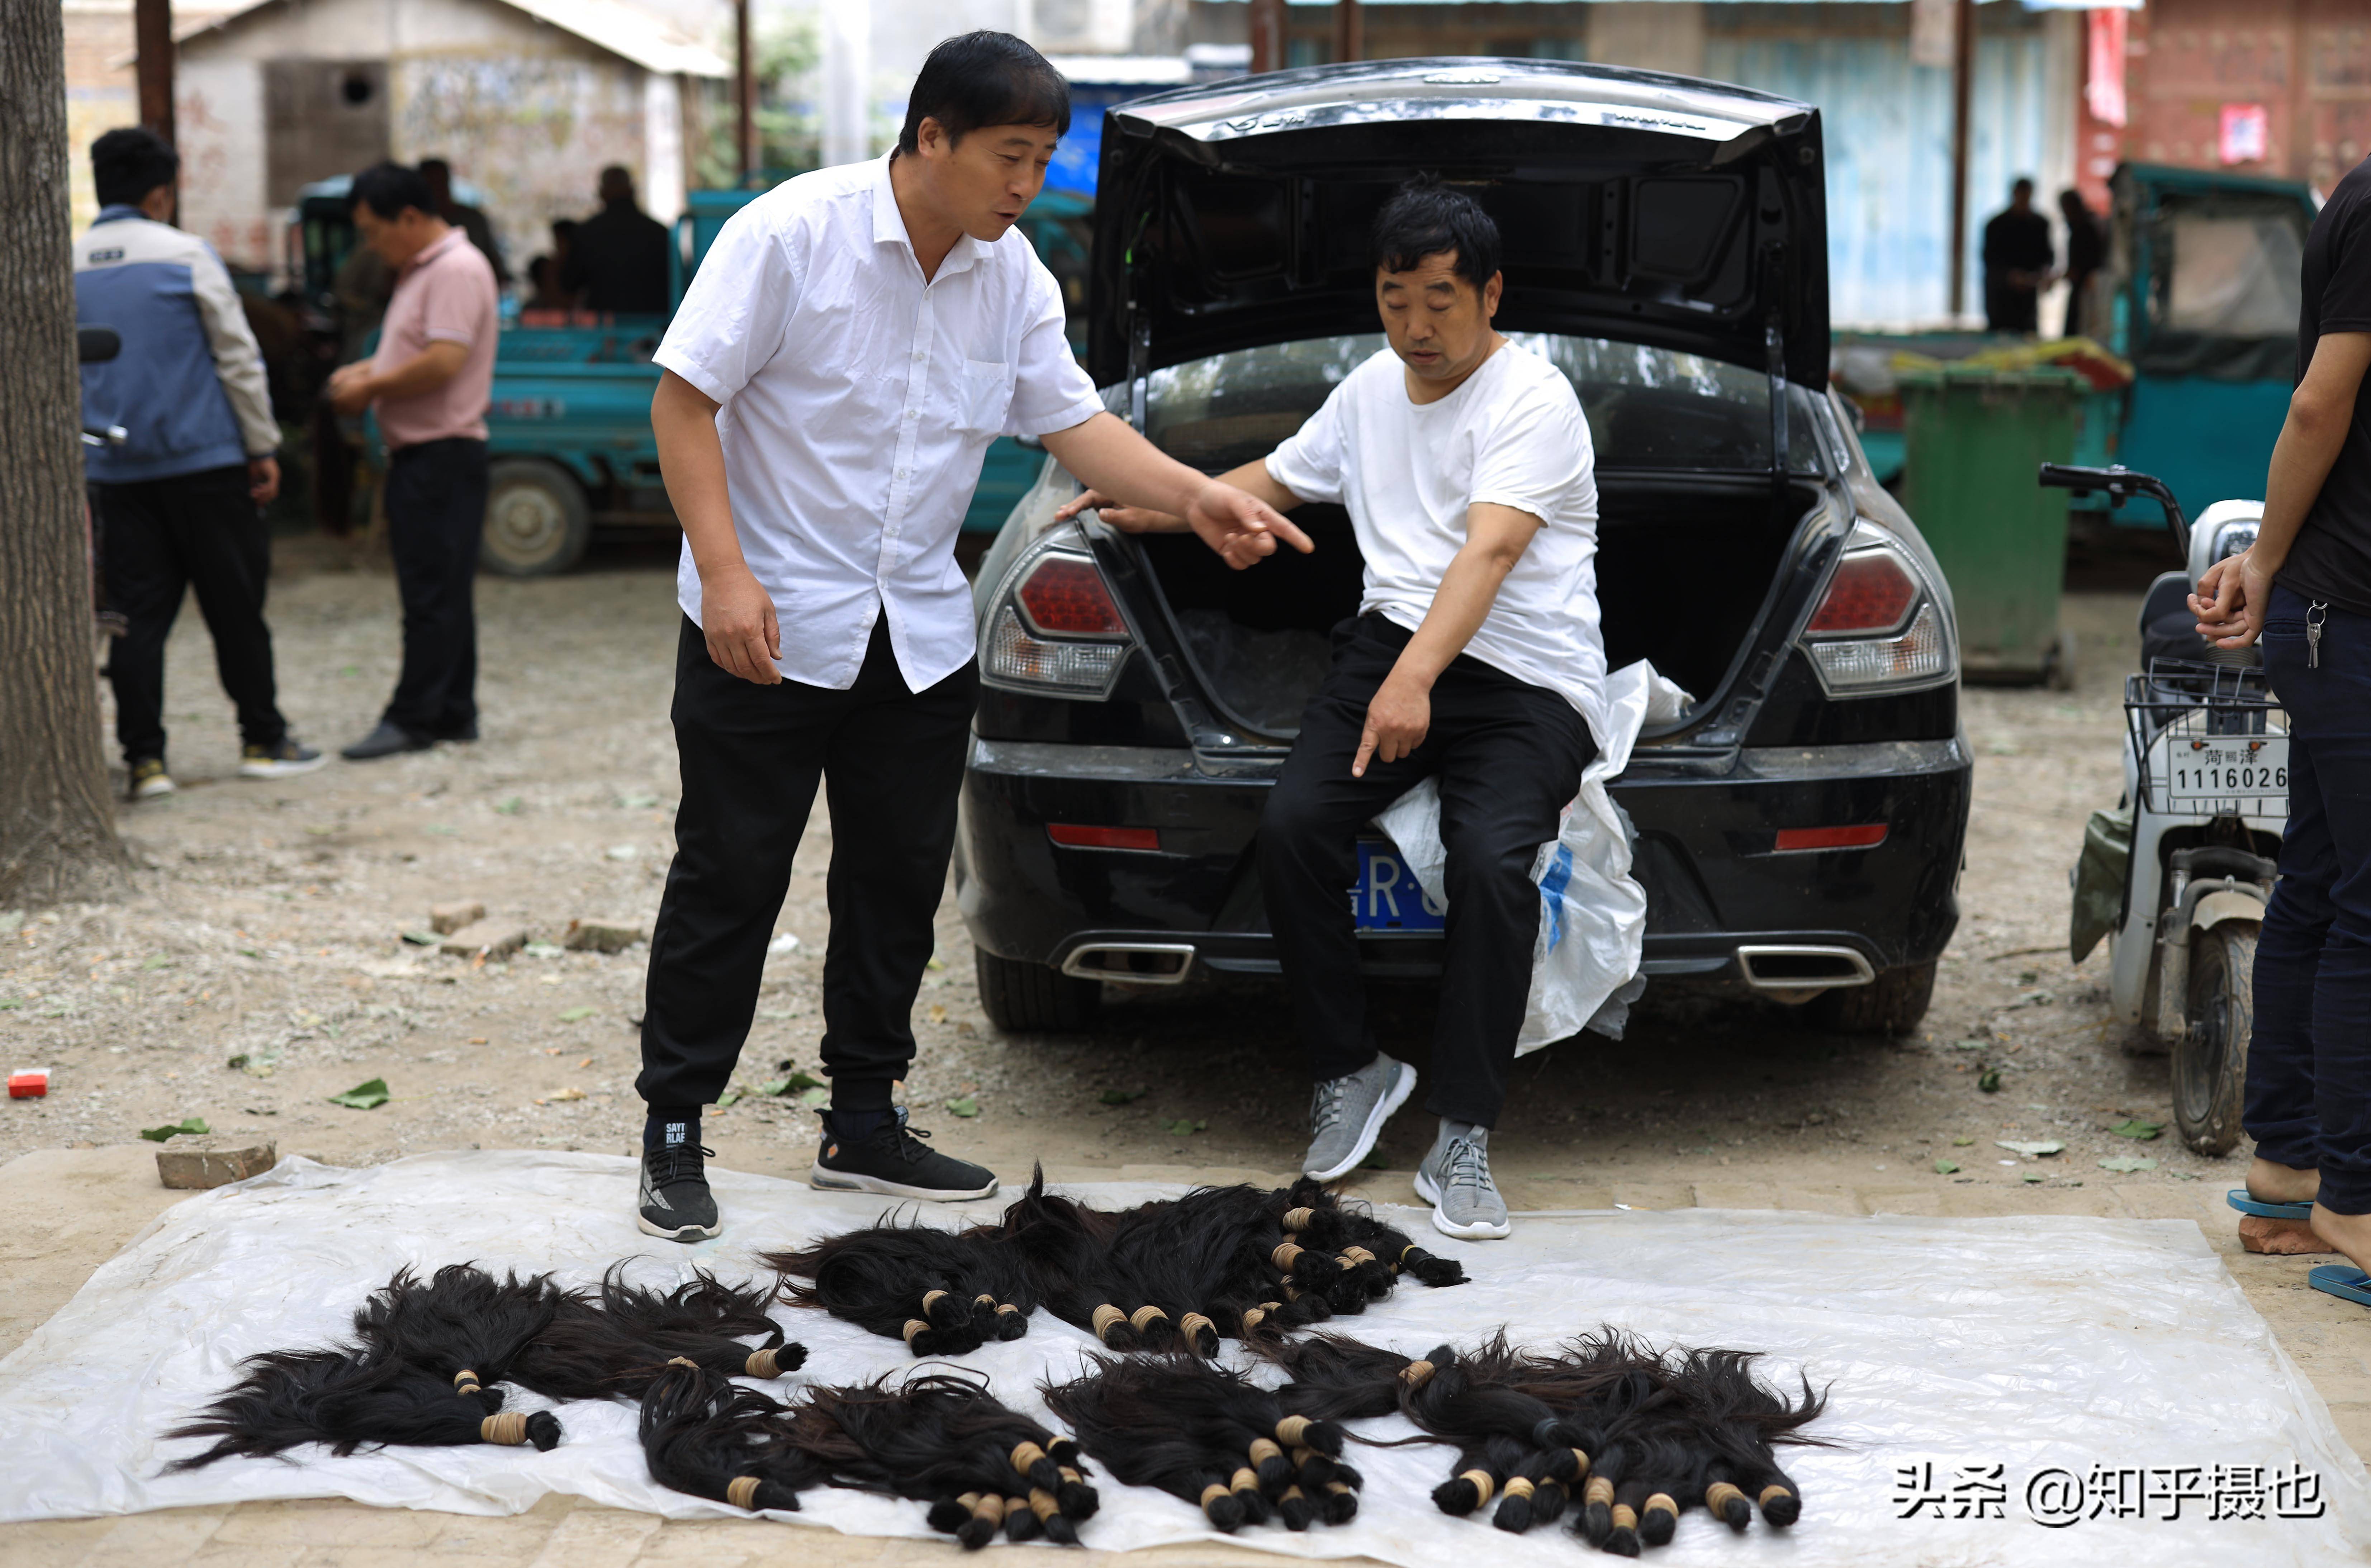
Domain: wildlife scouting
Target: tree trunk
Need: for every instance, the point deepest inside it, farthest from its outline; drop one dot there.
(57, 824)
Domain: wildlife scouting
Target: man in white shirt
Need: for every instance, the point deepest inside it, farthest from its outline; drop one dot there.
(1476, 660)
(853, 340)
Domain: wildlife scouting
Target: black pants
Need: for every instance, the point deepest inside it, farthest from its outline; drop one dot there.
(890, 761)
(436, 516)
(1508, 757)
(160, 538)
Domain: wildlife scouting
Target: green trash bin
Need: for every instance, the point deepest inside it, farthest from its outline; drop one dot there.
(1973, 441)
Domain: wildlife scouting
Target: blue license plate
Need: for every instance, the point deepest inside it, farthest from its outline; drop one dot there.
(1387, 898)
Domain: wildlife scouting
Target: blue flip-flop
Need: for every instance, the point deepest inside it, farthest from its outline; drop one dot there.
(2238, 1199)
(2344, 1281)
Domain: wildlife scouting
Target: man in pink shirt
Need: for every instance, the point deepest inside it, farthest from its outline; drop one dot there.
(431, 380)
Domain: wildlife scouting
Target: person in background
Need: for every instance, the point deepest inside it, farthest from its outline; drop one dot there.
(2086, 248)
(431, 380)
(543, 274)
(2017, 257)
(467, 219)
(179, 503)
(2304, 590)
(618, 259)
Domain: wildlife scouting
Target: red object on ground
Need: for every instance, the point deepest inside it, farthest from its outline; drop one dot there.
(1076, 836)
(1868, 836)
(28, 1083)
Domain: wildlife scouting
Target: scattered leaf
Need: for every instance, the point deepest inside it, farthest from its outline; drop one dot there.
(1946, 1168)
(798, 1081)
(157, 962)
(363, 1096)
(2128, 1162)
(1989, 1080)
(729, 1099)
(1961, 1143)
(2035, 1176)
(576, 1015)
(814, 1098)
(423, 939)
(966, 1106)
(545, 949)
(1180, 1128)
(639, 801)
(936, 963)
(511, 807)
(195, 1125)
(1375, 1161)
(938, 1013)
(251, 953)
(1122, 1096)
(2137, 1128)
(565, 1094)
(2036, 1149)
(1966, 1045)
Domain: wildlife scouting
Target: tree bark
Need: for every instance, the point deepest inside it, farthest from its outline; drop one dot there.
(57, 824)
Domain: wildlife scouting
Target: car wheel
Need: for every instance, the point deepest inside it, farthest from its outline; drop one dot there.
(1031, 998)
(2210, 1060)
(1891, 1004)
(538, 520)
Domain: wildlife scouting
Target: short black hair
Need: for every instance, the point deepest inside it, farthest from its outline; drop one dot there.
(1424, 218)
(126, 164)
(388, 188)
(2020, 184)
(984, 78)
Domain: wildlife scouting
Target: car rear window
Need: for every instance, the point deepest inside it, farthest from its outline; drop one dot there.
(1647, 407)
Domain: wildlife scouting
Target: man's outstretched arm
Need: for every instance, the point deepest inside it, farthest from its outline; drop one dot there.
(1400, 714)
(1137, 486)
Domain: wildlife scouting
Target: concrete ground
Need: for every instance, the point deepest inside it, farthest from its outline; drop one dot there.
(260, 966)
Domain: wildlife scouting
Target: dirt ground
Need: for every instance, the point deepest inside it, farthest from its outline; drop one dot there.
(260, 967)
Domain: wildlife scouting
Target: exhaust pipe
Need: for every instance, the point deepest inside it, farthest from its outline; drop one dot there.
(1131, 963)
(1797, 974)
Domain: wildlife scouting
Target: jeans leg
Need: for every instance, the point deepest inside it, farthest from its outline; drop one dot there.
(228, 548)
(146, 582)
(892, 774)
(2280, 1114)
(435, 514)
(751, 756)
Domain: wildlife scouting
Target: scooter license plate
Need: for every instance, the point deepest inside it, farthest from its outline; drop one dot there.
(1387, 898)
(2248, 774)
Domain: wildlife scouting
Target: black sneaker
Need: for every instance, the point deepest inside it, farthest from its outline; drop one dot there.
(675, 1202)
(893, 1161)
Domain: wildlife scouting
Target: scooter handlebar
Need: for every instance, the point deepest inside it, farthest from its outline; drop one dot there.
(2122, 484)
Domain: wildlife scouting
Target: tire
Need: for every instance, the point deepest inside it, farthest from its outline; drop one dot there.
(1032, 998)
(538, 520)
(2210, 1060)
(1891, 1004)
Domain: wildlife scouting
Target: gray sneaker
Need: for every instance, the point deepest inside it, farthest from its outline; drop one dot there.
(1455, 1180)
(1348, 1112)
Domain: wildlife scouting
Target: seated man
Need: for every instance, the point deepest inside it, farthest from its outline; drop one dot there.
(1476, 659)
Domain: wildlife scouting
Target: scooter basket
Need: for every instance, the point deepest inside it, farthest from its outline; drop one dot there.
(2211, 739)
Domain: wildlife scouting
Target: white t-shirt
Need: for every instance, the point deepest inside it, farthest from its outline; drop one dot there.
(1513, 436)
(858, 404)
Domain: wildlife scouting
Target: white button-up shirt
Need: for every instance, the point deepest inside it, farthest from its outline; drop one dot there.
(857, 403)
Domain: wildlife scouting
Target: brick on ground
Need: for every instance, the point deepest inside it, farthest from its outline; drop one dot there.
(603, 935)
(202, 1162)
(496, 939)
(446, 918)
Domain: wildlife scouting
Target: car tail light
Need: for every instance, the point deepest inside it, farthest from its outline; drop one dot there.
(1857, 636)
(1076, 836)
(1056, 630)
(1862, 836)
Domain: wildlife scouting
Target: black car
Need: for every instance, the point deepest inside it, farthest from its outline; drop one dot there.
(1800, 828)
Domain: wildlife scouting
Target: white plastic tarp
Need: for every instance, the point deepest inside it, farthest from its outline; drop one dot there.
(2028, 1344)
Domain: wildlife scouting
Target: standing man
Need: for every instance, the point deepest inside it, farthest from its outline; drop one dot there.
(1476, 660)
(2087, 250)
(2017, 256)
(853, 340)
(469, 220)
(616, 259)
(2306, 590)
(180, 501)
(432, 380)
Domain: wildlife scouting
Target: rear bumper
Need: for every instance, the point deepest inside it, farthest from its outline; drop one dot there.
(1706, 855)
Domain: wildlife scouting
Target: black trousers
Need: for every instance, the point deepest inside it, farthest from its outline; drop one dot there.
(158, 539)
(436, 517)
(1508, 757)
(891, 762)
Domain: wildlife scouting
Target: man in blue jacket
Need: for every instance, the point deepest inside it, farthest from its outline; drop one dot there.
(179, 500)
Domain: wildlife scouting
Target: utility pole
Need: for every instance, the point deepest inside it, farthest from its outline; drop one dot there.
(1963, 78)
(745, 92)
(1267, 36)
(1349, 31)
(152, 33)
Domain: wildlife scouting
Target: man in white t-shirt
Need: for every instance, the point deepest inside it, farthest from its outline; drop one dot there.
(1476, 660)
(853, 340)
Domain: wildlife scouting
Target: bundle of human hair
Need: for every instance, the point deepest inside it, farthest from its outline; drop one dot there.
(461, 1330)
(1623, 1436)
(1220, 1262)
(1210, 1437)
(705, 1435)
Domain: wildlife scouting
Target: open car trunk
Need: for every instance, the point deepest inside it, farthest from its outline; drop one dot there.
(1684, 567)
